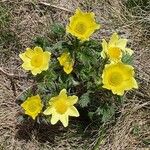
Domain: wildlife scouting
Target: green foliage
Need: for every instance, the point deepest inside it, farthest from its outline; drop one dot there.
(29, 92)
(106, 112)
(41, 41)
(58, 30)
(85, 79)
(127, 59)
(84, 99)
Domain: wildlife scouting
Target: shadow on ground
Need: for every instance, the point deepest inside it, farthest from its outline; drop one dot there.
(79, 128)
(42, 132)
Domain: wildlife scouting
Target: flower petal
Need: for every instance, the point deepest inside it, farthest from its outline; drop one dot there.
(29, 52)
(135, 85)
(129, 51)
(68, 68)
(38, 50)
(78, 11)
(32, 106)
(24, 57)
(55, 118)
(113, 40)
(46, 59)
(53, 99)
(24, 105)
(31, 115)
(118, 92)
(72, 99)
(27, 66)
(63, 94)
(64, 120)
(82, 25)
(49, 111)
(122, 43)
(63, 58)
(118, 77)
(47, 56)
(45, 66)
(36, 71)
(105, 48)
(72, 111)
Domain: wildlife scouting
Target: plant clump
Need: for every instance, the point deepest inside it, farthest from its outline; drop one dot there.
(94, 73)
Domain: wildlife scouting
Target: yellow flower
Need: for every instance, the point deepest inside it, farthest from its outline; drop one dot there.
(82, 25)
(115, 48)
(118, 77)
(35, 60)
(67, 62)
(61, 107)
(32, 106)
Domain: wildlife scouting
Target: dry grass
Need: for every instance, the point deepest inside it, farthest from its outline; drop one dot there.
(29, 19)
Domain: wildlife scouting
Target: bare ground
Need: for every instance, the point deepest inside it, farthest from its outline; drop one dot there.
(32, 18)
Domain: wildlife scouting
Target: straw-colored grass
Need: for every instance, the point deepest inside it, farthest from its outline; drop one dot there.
(21, 22)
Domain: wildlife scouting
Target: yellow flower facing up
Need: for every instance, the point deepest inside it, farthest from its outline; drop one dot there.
(82, 25)
(61, 107)
(67, 62)
(118, 77)
(35, 60)
(115, 48)
(32, 106)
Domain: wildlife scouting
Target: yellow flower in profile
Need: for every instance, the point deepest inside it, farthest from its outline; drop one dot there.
(61, 107)
(118, 77)
(66, 61)
(32, 106)
(115, 48)
(82, 25)
(35, 60)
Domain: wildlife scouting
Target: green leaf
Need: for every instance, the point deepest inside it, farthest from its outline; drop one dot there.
(42, 87)
(127, 59)
(84, 99)
(106, 112)
(93, 44)
(57, 45)
(58, 30)
(119, 99)
(75, 83)
(41, 41)
(91, 114)
(21, 98)
(87, 56)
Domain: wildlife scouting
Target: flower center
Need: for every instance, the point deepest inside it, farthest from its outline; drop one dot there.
(61, 106)
(80, 28)
(115, 79)
(114, 52)
(36, 60)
